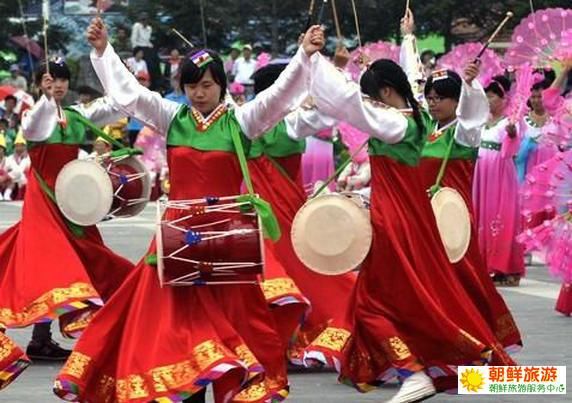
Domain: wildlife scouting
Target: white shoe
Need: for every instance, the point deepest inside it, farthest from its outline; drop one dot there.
(415, 388)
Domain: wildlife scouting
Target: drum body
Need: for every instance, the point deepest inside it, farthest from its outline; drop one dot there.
(208, 242)
(88, 191)
(332, 233)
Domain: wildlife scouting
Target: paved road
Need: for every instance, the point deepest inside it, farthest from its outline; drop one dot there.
(547, 336)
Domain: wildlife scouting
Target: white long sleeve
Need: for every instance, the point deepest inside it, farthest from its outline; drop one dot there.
(472, 114)
(336, 96)
(410, 62)
(274, 103)
(131, 97)
(305, 122)
(39, 122)
(101, 111)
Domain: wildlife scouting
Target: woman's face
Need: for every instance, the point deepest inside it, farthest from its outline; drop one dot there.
(496, 103)
(443, 110)
(204, 95)
(60, 89)
(536, 101)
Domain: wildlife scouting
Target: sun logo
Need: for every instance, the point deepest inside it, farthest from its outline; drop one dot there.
(472, 380)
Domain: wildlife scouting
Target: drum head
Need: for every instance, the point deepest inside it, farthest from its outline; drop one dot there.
(84, 192)
(332, 234)
(138, 167)
(453, 222)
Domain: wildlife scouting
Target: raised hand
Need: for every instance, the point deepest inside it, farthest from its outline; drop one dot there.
(472, 71)
(407, 23)
(314, 40)
(47, 85)
(341, 57)
(97, 35)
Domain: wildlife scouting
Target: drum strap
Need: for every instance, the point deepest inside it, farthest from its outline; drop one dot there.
(269, 222)
(121, 149)
(435, 188)
(77, 230)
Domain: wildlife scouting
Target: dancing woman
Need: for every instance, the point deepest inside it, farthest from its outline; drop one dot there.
(221, 334)
(48, 267)
(412, 317)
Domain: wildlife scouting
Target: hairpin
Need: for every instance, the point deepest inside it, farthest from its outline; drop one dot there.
(201, 58)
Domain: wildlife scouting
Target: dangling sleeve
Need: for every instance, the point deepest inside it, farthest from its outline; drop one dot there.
(342, 99)
(101, 111)
(273, 104)
(129, 96)
(39, 122)
(305, 122)
(472, 114)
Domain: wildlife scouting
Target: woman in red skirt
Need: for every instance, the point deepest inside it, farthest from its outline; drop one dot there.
(48, 267)
(151, 342)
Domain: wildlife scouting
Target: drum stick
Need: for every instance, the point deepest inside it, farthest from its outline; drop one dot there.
(180, 35)
(321, 12)
(310, 14)
(356, 22)
(406, 7)
(336, 21)
(508, 16)
(46, 17)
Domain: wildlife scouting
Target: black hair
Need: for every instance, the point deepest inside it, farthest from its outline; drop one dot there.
(58, 69)
(5, 121)
(542, 85)
(500, 86)
(11, 97)
(137, 49)
(386, 73)
(266, 76)
(191, 74)
(449, 87)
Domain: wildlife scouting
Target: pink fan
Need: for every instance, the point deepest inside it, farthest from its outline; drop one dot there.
(153, 146)
(547, 203)
(262, 60)
(461, 55)
(539, 38)
(558, 132)
(353, 140)
(525, 79)
(374, 51)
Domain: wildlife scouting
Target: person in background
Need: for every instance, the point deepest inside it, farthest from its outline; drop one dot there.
(229, 64)
(137, 63)
(19, 162)
(174, 62)
(16, 79)
(176, 94)
(9, 112)
(100, 147)
(237, 93)
(6, 174)
(121, 43)
(243, 69)
(141, 33)
(9, 135)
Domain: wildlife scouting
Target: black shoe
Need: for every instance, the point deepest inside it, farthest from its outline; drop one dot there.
(47, 351)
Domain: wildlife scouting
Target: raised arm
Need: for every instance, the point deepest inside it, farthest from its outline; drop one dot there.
(39, 122)
(122, 87)
(273, 104)
(409, 59)
(473, 109)
(338, 97)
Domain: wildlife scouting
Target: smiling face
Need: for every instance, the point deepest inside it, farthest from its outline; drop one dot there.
(60, 89)
(442, 109)
(205, 95)
(536, 102)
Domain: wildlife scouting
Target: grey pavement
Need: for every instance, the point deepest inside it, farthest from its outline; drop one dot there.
(547, 335)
